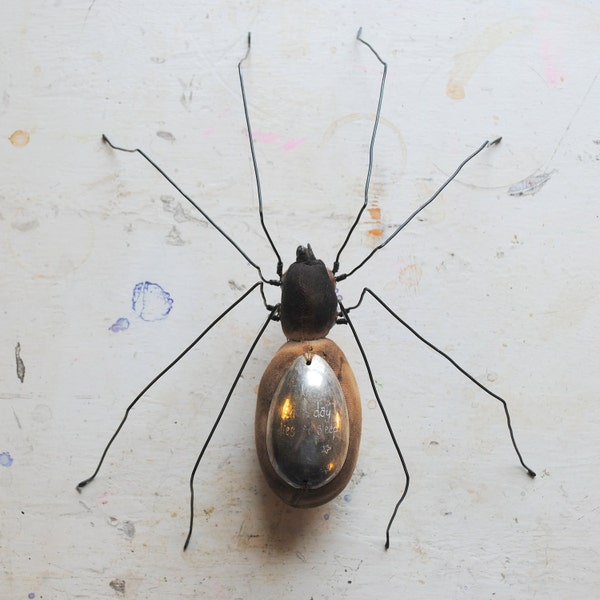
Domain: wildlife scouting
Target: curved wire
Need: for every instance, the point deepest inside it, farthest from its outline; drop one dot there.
(83, 483)
(195, 205)
(336, 264)
(387, 422)
(486, 144)
(274, 310)
(530, 472)
(254, 162)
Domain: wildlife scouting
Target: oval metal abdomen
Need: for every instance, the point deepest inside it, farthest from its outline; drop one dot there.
(308, 422)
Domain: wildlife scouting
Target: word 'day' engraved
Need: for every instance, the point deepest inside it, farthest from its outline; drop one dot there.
(308, 422)
(307, 425)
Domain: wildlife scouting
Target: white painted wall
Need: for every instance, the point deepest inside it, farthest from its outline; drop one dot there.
(507, 284)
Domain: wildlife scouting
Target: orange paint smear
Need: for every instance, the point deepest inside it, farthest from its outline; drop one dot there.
(375, 213)
(376, 232)
(19, 138)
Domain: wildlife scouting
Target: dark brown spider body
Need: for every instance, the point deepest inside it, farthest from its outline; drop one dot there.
(308, 299)
(308, 414)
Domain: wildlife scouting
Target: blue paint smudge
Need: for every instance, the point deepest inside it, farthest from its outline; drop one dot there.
(6, 460)
(150, 302)
(326, 516)
(31, 595)
(347, 498)
(120, 324)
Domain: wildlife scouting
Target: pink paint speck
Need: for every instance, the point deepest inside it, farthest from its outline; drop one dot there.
(266, 138)
(269, 138)
(551, 72)
(292, 144)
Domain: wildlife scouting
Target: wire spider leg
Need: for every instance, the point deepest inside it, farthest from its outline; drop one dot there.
(270, 318)
(194, 204)
(336, 264)
(83, 483)
(400, 227)
(387, 422)
(254, 161)
(530, 472)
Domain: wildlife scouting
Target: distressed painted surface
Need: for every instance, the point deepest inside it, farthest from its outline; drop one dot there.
(506, 283)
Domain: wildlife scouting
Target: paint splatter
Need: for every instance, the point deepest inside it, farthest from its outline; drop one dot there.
(126, 527)
(375, 222)
(410, 275)
(180, 214)
(118, 585)
(20, 363)
(269, 138)
(166, 135)
(266, 137)
(467, 61)
(19, 138)
(24, 226)
(187, 93)
(6, 460)
(552, 71)
(121, 324)
(174, 237)
(31, 595)
(150, 302)
(236, 287)
(292, 144)
(528, 186)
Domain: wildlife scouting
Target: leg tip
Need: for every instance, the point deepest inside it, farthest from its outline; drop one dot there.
(82, 484)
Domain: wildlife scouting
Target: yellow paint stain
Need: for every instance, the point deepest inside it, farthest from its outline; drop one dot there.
(455, 90)
(468, 60)
(19, 138)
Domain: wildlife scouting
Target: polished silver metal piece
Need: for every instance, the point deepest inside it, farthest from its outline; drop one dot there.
(308, 426)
